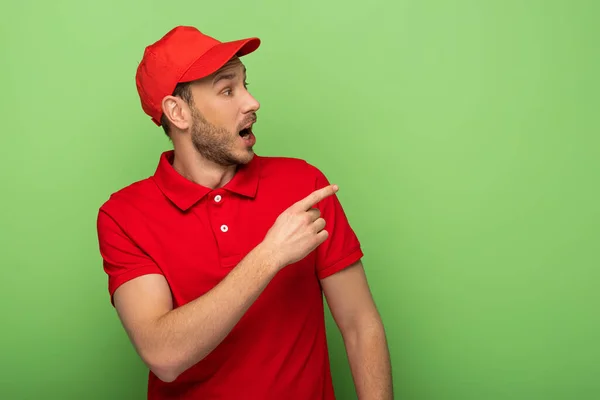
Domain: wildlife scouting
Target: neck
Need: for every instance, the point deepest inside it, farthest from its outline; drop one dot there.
(192, 166)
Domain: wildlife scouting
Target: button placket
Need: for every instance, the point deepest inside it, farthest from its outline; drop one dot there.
(222, 206)
(218, 201)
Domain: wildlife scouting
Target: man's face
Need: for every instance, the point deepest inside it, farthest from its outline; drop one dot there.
(223, 112)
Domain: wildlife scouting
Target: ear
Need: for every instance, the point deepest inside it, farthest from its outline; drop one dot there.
(177, 112)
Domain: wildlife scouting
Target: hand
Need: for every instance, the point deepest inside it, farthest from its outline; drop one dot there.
(298, 230)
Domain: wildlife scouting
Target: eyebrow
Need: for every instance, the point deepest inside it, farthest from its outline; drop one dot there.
(228, 76)
(224, 76)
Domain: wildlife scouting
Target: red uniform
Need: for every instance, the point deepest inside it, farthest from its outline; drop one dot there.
(193, 236)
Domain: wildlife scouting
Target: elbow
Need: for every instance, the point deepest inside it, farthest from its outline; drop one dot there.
(167, 365)
(165, 368)
(363, 330)
(167, 375)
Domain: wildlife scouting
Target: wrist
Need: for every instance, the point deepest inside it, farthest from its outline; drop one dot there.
(267, 258)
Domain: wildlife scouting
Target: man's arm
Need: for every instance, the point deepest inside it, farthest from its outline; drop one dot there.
(169, 340)
(354, 311)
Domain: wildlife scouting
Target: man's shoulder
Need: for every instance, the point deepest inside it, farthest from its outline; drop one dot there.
(131, 196)
(288, 166)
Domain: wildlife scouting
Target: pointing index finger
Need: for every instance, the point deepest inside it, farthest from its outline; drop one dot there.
(309, 201)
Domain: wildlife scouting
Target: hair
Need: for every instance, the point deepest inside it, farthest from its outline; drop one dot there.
(182, 90)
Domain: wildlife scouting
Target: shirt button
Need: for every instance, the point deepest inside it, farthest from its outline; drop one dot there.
(224, 228)
(218, 198)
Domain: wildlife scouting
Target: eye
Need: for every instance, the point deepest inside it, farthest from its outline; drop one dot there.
(227, 92)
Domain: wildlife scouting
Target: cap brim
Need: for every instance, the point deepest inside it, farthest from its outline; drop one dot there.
(216, 57)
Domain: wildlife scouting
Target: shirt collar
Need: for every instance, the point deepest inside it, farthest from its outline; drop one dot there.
(185, 193)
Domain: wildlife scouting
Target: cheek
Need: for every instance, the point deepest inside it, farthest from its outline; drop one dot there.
(224, 116)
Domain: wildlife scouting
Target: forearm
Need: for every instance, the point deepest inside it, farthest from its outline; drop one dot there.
(187, 334)
(369, 360)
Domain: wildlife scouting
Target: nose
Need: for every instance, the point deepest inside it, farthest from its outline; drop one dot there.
(250, 104)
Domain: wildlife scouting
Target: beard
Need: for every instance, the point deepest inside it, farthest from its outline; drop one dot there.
(217, 144)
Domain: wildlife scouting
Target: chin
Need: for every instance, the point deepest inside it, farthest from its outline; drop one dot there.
(245, 157)
(248, 156)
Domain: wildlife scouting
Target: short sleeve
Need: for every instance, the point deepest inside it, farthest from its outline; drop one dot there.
(342, 247)
(122, 259)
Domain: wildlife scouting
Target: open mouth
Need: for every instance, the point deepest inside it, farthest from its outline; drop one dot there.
(245, 132)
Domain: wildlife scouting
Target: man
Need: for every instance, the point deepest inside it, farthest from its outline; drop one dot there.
(217, 264)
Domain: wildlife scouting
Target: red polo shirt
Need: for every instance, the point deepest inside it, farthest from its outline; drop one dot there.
(193, 236)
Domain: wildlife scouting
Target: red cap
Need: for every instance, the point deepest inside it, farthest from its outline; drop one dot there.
(184, 54)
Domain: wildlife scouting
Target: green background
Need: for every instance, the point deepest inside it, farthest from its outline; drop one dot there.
(463, 135)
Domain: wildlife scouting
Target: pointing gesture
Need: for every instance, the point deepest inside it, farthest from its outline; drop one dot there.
(315, 197)
(299, 229)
